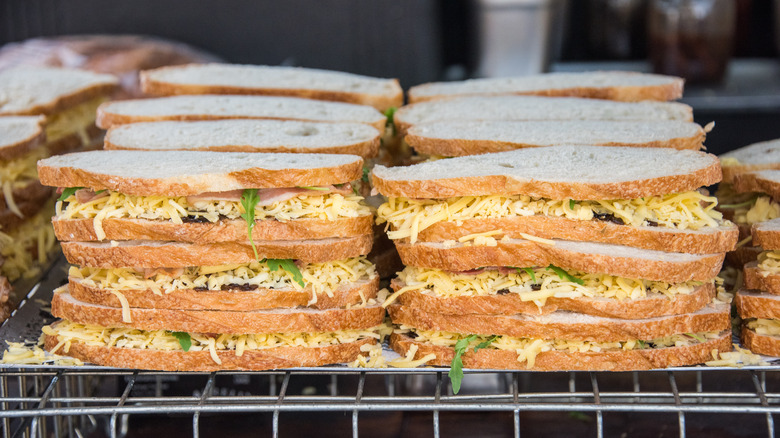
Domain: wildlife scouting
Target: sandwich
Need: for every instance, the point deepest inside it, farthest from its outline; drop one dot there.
(382, 94)
(609, 85)
(212, 260)
(535, 108)
(588, 258)
(763, 155)
(67, 97)
(25, 236)
(758, 303)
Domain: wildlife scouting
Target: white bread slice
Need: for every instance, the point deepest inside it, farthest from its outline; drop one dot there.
(762, 181)
(536, 108)
(274, 81)
(757, 304)
(347, 294)
(225, 230)
(754, 280)
(19, 135)
(766, 234)
(250, 360)
(284, 320)
(458, 138)
(611, 85)
(764, 155)
(760, 344)
(589, 257)
(247, 136)
(566, 325)
(156, 254)
(644, 359)
(651, 306)
(707, 240)
(46, 90)
(184, 173)
(211, 107)
(570, 172)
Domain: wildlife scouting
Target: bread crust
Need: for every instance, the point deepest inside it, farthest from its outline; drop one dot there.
(730, 172)
(73, 142)
(760, 344)
(712, 318)
(742, 256)
(756, 281)
(30, 199)
(224, 230)
(705, 241)
(757, 306)
(151, 254)
(250, 360)
(511, 304)
(765, 236)
(64, 176)
(525, 253)
(64, 306)
(630, 360)
(231, 300)
(66, 101)
(156, 87)
(17, 149)
(752, 182)
(506, 185)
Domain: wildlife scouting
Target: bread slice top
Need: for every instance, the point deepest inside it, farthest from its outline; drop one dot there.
(272, 80)
(757, 304)
(457, 138)
(568, 172)
(213, 107)
(45, 90)
(184, 173)
(19, 135)
(247, 136)
(612, 85)
(767, 234)
(537, 108)
(762, 181)
(764, 155)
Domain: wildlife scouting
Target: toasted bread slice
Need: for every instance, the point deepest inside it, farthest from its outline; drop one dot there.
(254, 360)
(46, 90)
(762, 181)
(653, 305)
(767, 234)
(19, 135)
(184, 173)
(347, 294)
(458, 138)
(247, 136)
(272, 81)
(742, 256)
(536, 108)
(566, 325)
(764, 155)
(588, 257)
(757, 304)
(210, 107)
(225, 230)
(705, 240)
(157, 254)
(293, 320)
(760, 344)
(644, 359)
(610, 85)
(757, 281)
(572, 172)
(28, 199)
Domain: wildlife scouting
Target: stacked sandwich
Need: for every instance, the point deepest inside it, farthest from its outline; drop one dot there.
(192, 260)
(561, 258)
(43, 111)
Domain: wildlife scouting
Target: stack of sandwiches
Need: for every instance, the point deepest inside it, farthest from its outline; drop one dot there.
(563, 258)
(196, 260)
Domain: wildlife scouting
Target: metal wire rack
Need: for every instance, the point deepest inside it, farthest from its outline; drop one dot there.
(81, 401)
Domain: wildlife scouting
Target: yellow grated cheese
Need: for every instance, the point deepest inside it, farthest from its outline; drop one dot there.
(407, 361)
(406, 217)
(74, 120)
(738, 358)
(19, 353)
(374, 359)
(762, 210)
(766, 327)
(729, 161)
(125, 305)
(769, 263)
(16, 246)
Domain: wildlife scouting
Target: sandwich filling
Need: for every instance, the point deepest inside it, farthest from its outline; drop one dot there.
(533, 284)
(68, 333)
(27, 247)
(757, 209)
(18, 173)
(763, 326)
(327, 203)
(75, 120)
(692, 210)
(769, 263)
(528, 349)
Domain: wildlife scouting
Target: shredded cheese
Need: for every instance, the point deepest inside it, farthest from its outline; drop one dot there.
(22, 353)
(125, 305)
(406, 217)
(407, 361)
(738, 358)
(28, 246)
(762, 210)
(490, 281)
(75, 120)
(769, 263)
(118, 205)
(374, 359)
(729, 161)
(766, 327)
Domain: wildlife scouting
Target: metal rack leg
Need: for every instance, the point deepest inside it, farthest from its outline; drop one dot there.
(760, 386)
(597, 400)
(279, 401)
(4, 405)
(205, 395)
(678, 402)
(122, 400)
(358, 398)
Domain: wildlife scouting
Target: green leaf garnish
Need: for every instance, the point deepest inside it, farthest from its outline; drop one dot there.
(321, 189)
(289, 266)
(485, 344)
(366, 171)
(571, 204)
(456, 367)
(530, 272)
(699, 338)
(68, 192)
(748, 203)
(563, 275)
(642, 344)
(389, 114)
(249, 200)
(184, 340)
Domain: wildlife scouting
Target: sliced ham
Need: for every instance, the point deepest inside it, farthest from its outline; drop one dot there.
(170, 272)
(87, 195)
(233, 195)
